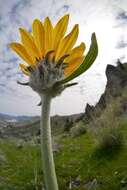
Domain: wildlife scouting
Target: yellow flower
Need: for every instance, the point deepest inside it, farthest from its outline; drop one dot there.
(44, 38)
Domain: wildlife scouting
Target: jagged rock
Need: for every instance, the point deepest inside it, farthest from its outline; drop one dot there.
(91, 112)
(116, 82)
(117, 79)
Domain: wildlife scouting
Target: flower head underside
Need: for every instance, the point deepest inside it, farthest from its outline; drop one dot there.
(49, 53)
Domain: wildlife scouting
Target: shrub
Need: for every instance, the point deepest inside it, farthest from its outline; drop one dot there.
(78, 129)
(110, 140)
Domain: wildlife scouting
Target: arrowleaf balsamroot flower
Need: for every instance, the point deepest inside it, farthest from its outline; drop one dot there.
(50, 56)
(52, 60)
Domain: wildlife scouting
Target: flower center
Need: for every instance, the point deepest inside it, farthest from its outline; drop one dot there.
(46, 74)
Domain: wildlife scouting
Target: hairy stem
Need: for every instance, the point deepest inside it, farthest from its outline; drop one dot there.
(46, 145)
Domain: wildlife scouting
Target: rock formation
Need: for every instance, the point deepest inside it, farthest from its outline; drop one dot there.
(116, 83)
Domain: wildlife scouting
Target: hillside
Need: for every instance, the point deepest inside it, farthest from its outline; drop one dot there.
(89, 148)
(29, 127)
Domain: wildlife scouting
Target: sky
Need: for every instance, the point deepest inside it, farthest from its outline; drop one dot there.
(107, 18)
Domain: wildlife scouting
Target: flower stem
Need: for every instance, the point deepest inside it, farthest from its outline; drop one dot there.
(46, 145)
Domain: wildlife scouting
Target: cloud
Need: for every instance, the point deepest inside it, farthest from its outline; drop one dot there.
(121, 44)
(122, 16)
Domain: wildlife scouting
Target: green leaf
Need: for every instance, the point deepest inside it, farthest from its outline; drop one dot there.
(88, 61)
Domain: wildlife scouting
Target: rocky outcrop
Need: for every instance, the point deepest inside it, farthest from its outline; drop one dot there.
(116, 83)
(117, 79)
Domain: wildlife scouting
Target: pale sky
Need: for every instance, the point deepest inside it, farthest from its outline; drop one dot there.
(107, 18)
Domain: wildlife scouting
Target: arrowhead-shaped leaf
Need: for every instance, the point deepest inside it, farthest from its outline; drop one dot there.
(88, 61)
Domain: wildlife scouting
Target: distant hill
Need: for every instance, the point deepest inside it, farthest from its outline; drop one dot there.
(26, 127)
(13, 118)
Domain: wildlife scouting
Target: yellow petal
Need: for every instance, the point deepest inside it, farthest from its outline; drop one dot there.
(29, 44)
(24, 69)
(38, 34)
(73, 65)
(21, 51)
(60, 30)
(67, 43)
(48, 29)
(76, 52)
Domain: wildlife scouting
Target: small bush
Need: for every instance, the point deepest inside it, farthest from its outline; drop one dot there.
(110, 140)
(78, 129)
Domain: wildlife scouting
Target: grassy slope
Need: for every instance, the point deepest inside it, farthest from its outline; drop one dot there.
(20, 166)
(80, 158)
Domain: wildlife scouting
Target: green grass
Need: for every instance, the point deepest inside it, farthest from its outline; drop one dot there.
(84, 161)
(20, 167)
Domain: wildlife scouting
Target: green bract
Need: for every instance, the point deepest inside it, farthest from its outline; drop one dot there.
(88, 61)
